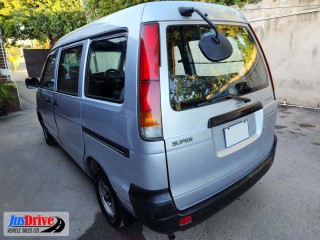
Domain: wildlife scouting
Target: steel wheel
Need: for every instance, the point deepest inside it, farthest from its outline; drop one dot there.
(108, 200)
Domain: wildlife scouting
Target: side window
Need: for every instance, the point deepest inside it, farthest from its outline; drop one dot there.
(201, 63)
(106, 69)
(69, 67)
(47, 78)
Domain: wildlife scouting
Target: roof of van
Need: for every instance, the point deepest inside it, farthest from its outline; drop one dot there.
(147, 12)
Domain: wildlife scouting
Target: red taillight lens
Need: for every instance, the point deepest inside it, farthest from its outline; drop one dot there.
(185, 220)
(149, 52)
(265, 59)
(149, 82)
(149, 96)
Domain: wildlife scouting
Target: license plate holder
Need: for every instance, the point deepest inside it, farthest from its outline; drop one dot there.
(236, 133)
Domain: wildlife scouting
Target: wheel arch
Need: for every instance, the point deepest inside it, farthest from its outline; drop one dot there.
(40, 117)
(92, 167)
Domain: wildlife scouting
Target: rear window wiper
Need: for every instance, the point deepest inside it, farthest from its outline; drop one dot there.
(218, 98)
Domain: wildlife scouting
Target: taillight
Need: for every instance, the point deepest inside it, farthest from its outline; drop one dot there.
(265, 59)
(149, 82)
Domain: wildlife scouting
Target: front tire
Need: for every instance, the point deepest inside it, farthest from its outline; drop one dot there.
(108, 200)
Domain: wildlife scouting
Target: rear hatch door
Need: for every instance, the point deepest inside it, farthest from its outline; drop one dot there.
(212, 140)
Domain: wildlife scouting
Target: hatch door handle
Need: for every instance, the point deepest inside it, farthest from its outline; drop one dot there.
(233, 115)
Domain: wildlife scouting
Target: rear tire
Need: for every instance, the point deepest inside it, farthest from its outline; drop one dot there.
(48, 137)
(108, 200)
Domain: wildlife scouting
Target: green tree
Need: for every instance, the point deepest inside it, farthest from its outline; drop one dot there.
(99, 8)
(40, 19)
(239, 3)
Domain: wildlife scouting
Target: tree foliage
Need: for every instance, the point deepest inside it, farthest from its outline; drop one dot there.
(40, 19)
(45, 20)
(239, 3)
(6, 95)
(98, 8)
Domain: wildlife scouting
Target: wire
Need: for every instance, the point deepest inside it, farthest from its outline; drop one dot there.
(266, 8)
(287, 15)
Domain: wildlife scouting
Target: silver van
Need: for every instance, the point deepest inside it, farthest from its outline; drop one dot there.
(168, 106)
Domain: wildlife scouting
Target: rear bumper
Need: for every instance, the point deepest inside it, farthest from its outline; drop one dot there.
(156, 209)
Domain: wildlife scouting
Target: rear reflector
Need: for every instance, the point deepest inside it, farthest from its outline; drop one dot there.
(185, 220)
(149, 82)
(265, 59)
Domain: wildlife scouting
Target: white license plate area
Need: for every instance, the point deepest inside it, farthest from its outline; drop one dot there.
(236, 133)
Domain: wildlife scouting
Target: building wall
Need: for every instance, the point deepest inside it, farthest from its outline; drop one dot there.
(289, 32)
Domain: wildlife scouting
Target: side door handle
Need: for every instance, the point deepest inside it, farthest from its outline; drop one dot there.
(55, 103)
(48, 100)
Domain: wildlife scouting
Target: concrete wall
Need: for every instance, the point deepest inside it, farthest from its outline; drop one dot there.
(289, 32)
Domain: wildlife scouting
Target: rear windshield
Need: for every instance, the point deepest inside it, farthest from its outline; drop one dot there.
(195, 80)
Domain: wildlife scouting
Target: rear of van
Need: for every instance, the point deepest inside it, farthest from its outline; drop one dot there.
(216, 119)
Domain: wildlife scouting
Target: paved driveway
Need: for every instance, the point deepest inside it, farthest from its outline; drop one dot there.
(285, 204)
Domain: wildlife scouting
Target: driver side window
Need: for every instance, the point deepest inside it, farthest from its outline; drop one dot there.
(105, 76)
(69, 68)
(47, 78)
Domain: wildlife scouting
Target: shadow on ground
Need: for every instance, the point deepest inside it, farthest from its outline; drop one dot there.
(100, 229)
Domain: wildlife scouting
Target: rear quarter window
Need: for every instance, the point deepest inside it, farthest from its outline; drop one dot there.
(195, 79)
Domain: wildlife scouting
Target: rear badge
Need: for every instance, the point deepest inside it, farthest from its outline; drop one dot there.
(186, 140)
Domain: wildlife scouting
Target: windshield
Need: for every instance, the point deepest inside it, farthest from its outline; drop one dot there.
(194, 79)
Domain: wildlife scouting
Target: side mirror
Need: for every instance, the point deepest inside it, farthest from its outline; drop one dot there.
(32, 82)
